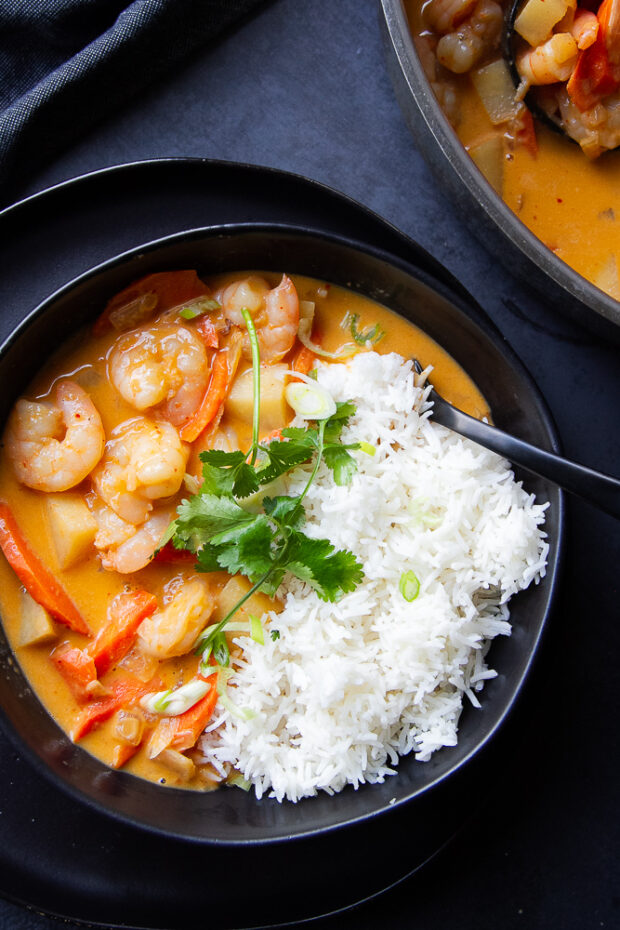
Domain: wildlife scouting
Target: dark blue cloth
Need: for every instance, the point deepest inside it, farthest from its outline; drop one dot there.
(65, 64)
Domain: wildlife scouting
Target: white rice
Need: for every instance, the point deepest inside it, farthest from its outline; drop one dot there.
(349, 687)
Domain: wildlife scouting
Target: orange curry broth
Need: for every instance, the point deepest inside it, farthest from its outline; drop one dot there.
(570, 203)
(89, 585)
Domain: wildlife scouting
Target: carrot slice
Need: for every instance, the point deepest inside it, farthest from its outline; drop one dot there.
(597, 72)
(122, 753)
(170, 288)
(123, 692)
(191, 724)
(77, 668)
(116, 638)
(38, 581)
(220, 382)
(182, 731)
(304, 360)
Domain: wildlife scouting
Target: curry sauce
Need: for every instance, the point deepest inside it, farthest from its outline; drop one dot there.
(85, 360)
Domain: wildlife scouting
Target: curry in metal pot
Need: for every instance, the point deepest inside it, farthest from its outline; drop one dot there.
(564, 186)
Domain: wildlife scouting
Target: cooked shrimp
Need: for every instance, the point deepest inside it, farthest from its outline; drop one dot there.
(461, 49)
(126, 548)
(550, 62)
(164, 367)
(584, 28)
(144, 461)
(173, 630)
(445, 15)
(275, 313)
(54, 445)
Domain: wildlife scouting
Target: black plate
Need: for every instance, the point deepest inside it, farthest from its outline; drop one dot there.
(74, 860)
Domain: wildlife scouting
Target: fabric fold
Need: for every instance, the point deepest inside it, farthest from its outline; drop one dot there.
(67, 64)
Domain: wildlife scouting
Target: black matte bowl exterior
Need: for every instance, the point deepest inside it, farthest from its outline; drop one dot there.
(488, 217)
(231, 816)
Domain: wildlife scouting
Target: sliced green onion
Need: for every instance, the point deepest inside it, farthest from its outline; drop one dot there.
(256, 630)
(304, 330)
(238, 781)
(367, 448)
(199, 307)
(171, 703)
(422, 512)
(242, 713)
(372, 335)
(221, 652)
(205, 668)
(409, 585)
(309, 399)
(162, 700)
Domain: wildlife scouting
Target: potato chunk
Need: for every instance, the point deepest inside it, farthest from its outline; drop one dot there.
(496, 91)
(274, 411)
(538, 17)
(177, 763)
(36, 624)
(488, 156)
(72, 526)
(232, 592)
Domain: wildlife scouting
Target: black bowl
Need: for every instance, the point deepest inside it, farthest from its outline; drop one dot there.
(494, 223)
(230, 816)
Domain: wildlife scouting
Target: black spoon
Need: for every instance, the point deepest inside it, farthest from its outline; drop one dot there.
(601, 490)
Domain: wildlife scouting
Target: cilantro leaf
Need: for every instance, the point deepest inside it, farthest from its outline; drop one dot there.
(204, 516)
(251, 552)
(206, 560)
(341, 463)
(331, 573)
(282, 456)
(338, 420)
(227, 473)
(285, 511)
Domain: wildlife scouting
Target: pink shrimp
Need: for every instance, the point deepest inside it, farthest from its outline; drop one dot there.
(54, 445)
(584, 29)
(550, 62)
(275, 313)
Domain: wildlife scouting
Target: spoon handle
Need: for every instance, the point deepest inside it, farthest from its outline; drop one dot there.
(601, 490)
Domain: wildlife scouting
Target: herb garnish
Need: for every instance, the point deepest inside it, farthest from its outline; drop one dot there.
(373, 335)
(263, 546)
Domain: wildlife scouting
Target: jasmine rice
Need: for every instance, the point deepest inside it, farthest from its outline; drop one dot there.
(347, 688)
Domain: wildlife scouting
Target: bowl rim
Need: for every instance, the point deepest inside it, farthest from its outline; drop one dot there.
(466, 305)
(457, 169)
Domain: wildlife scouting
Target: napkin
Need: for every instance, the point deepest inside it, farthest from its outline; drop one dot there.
(66, 64)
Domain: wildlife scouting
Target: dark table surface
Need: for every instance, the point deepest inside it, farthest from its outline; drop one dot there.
(303, 86)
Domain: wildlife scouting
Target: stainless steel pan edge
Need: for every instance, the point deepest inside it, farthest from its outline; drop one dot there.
(494, 224)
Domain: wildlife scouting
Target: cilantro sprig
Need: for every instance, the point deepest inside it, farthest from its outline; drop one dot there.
(264, 546)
